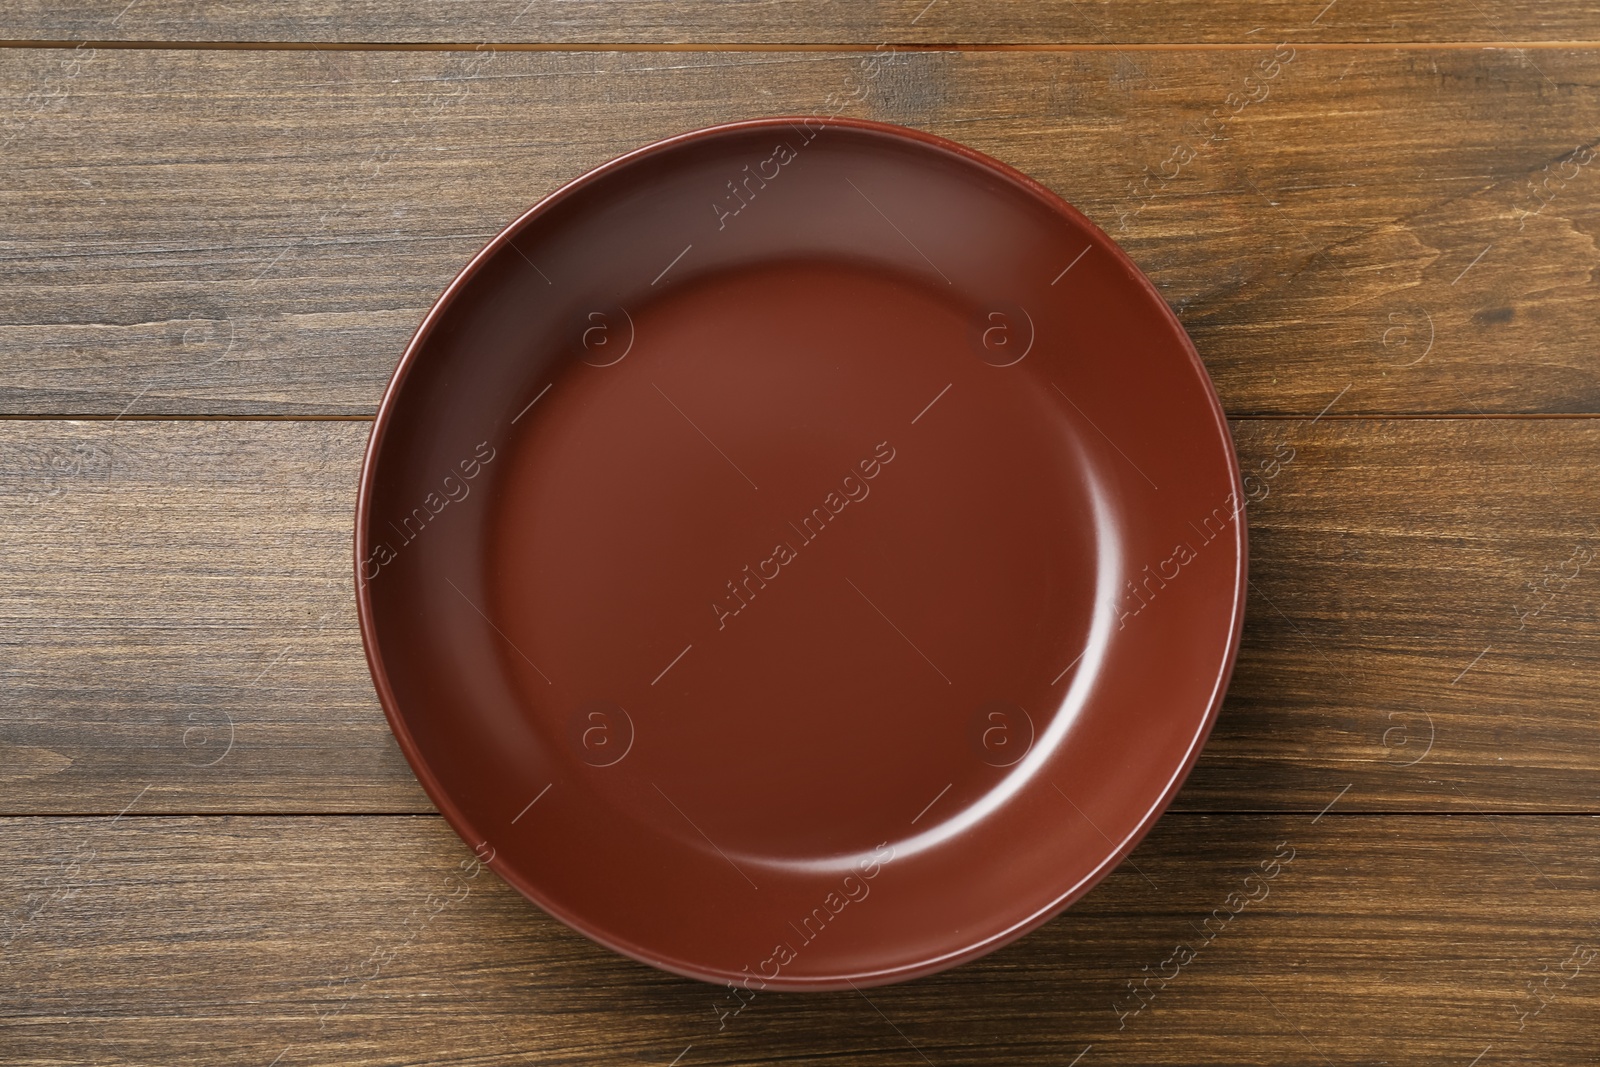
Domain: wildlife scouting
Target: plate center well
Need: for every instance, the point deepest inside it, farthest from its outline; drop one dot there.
(806, 561)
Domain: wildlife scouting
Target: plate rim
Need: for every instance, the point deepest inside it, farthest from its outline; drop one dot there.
(463, 827)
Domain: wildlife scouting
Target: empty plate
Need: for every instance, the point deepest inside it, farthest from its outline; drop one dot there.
(801, 553)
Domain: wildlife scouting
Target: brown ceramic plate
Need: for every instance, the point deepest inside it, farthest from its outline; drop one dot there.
(801, 554)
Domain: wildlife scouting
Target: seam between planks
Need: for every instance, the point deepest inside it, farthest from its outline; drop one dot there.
(602, 46)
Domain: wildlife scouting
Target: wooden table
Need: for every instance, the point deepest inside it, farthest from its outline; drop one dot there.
(221, 222)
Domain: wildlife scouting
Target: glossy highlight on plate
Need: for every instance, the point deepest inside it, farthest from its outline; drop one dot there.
(801, 554)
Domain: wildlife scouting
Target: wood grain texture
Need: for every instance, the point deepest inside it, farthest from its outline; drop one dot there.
(1400, 226)
(1421, 620)
(196, 577)
(179, 614)
(796, 21)
(248, 232)
(298, 941)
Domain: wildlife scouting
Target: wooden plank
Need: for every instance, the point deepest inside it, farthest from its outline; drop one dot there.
(196, 579)
(238, 232)
(178, 614)
(1422, 618)
(793, 22)
(293, 941)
